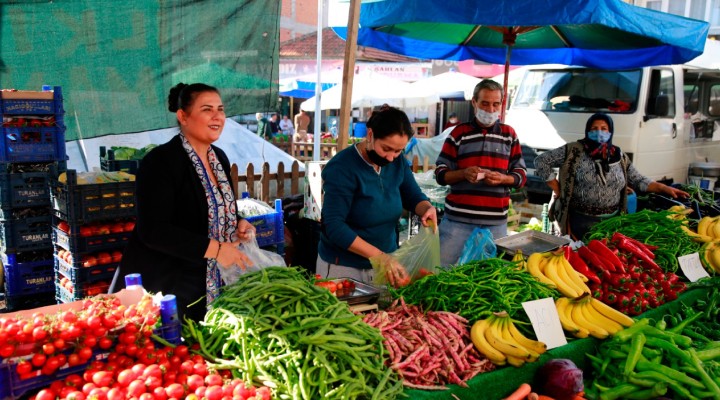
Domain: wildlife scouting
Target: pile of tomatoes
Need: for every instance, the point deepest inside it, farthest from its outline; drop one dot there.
(42, 344)
(338, 287)
(138, 370)
(99, 229)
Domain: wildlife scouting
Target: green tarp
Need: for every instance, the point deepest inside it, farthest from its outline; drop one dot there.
(116, 60)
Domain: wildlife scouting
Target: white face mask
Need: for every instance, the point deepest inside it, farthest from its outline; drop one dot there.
(485, 118)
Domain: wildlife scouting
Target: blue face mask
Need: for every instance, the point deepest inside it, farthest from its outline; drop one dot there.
(599, 136)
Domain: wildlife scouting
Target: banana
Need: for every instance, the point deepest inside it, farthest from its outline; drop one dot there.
(715, 256)
(563, 282)
(515, 362)
(477, 335)
(533, 267)
(505, 333)
(703, 225)
(494, 337)
(611, 313)
(707, 255)
(532, 345)
(696, 236)
(573, 275)
(565, 313)
(716, 228)
(599, 319)
(578, 315)
(519, 259)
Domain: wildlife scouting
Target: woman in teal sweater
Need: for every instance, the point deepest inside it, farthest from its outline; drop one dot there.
(366, 187)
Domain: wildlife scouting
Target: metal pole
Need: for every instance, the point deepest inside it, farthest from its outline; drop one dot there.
(318, 85)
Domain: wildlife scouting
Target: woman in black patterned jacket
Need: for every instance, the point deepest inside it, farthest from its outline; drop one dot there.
(593, 179)
(187, 224)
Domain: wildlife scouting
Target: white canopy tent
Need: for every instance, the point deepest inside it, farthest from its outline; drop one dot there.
(450, 84)
(371, 89)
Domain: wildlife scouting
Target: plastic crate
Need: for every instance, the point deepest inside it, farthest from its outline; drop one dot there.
(170, 332)
(75, 243)
(24, 234)
(79, 274)
(129, 166)
(28, 189)
(80, 204)
(30, 144)
(62, 295)
(23, 278)
(12, 387)
(269, 228)
(28, 302)
(25, 102)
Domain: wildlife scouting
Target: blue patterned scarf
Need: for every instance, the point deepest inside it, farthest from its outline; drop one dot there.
(222, 211)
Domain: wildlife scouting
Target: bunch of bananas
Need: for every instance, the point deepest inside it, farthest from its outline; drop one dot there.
(519, 259)
(708, 229)
(554, 270)
(710, 256)
(502, 343)
(589, 316)
(679, 213)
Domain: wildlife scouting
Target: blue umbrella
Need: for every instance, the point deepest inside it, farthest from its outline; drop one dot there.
(604, 34)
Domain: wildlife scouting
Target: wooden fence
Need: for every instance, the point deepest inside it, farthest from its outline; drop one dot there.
(426, 165)
(265, 178)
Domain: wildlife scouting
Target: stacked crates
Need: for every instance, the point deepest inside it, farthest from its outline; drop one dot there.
(92, 225)
(32, 153)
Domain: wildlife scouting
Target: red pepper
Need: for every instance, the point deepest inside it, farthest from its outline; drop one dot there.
(623, 243)
(609, 298)
(592, 260)
(603, 252)
(597, 293)
(645, 248)
(623, 300)
(580, 266)
(618, 280)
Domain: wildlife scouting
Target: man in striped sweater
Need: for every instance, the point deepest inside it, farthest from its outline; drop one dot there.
(481, 160)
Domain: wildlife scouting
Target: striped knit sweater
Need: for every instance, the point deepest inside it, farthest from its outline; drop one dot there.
(494, 148)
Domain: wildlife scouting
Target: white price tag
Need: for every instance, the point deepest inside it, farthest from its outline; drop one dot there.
(692, 267)
(545, 322)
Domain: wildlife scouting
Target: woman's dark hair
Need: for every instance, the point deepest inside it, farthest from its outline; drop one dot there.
(183, 95)
(388, 121)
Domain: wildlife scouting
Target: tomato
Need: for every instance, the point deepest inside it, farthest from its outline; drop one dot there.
(115, 394)
(152, 382)
(200, 369)
(74, 380)
(129, 226)
(136, 388)
(118, 227)
(48, 348)
(159, 393)
(244, 391)
(74, 359)
(213, 380)
(88, 387)
(187, 367)
(45, 394)
(99, 393)
(125, 377)
(264, 392)
(59, 344)
(103, 230)
(103, 378)
(86, 231)
(152, 370)
(23, 367)
(104, 258)
(146, 396)
(89, 261)
(7, 350)
(175, 390)
(38, 359)
(214, 393)
(194, 381)
(64, 226)
(76, 395)
(116, 256)
(85, 353)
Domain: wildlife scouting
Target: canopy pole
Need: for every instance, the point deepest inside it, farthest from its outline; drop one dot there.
(508, 40)
(317, 134)
(348, 72)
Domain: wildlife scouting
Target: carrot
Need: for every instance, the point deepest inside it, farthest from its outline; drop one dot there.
(520, 393)
(543, 397)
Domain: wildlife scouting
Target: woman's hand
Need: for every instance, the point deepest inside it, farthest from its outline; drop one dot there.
(395, 273)
(229, 255)
(427, 213)
(675, 193)
(245, 230)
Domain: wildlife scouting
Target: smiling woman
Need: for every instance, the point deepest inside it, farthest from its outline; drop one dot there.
(187, 225)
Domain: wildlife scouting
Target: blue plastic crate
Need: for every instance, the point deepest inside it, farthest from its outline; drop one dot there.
(32, 102)
(28, 301)
(12, 387)
(30, 144)
(170, 332)
(269, 228)
(79, 274)
(80, 292)
(92, 202)
(23, 278)
(25, 234)
(26, 189)
(75, 243)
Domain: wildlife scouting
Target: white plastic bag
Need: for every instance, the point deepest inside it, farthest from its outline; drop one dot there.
(260, 259)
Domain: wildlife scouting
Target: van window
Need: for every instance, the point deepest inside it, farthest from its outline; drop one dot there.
(579, 90)
(692, 98)
(661, 96)
(714, 107)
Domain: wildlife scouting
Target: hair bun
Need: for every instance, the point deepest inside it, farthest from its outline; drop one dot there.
(174, 97)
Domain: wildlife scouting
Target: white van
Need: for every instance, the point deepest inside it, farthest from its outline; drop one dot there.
(665, 117)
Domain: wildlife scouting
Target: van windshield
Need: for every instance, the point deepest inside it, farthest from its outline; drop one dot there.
(579, 90)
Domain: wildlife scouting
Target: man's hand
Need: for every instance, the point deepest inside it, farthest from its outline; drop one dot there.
(475, 174)
(494, 178)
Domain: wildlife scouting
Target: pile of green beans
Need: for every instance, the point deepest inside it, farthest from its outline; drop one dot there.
(653, 228)
(477, 289)
(275, 328)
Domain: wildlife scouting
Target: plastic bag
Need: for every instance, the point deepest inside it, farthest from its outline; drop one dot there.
(248, 207)
(420, 255)
(260, 259)
(479, 246)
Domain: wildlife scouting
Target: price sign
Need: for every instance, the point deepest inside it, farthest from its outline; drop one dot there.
(692, 267)
(545, 322)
